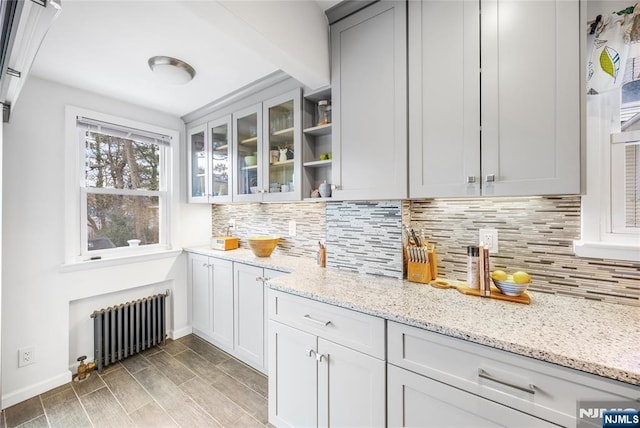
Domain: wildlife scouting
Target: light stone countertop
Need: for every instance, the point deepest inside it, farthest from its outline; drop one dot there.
(595, 337)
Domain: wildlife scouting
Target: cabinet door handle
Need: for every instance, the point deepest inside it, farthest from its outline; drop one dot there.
(309, 352)
(319, 357)
(259, 278)
(471, 179)
(205, 265)
(531, 389)
(490, 178)
(323, 323)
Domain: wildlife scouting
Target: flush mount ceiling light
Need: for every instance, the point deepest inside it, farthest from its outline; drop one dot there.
(171, 70)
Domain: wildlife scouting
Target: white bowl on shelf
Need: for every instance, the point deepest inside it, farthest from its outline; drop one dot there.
(509, 288)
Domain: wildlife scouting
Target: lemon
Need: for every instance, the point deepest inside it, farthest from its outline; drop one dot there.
(521, 277)
(499, 275)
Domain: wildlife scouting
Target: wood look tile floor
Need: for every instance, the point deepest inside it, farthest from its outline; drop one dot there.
(186, 383)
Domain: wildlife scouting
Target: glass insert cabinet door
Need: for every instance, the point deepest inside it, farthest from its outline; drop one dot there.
(281, 147)
(248, 138)
(199, 167)
(220, 173)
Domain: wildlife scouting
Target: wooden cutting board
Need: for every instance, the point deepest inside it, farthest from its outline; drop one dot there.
(495, 293)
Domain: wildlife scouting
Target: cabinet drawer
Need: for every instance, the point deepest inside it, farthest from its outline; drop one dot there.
(364, 333)
(417, 401)
(542, 389)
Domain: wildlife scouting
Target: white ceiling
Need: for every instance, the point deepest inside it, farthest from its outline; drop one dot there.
(103, 47)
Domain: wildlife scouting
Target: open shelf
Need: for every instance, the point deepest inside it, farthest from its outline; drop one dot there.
(318, 163)
(317, 131)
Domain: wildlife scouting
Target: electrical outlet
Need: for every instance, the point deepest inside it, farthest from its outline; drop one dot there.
(489, 237)
(232, 224)
(292, 228)
(26, 356)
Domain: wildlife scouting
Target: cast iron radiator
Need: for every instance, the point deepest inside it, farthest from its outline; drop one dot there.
(127, 329)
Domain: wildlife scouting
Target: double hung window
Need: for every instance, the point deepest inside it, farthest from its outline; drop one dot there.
(124, 181)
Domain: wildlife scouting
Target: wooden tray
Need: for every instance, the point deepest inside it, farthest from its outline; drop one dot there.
(495, 293)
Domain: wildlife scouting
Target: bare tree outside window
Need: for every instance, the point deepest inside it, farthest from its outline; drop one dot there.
(122, 181)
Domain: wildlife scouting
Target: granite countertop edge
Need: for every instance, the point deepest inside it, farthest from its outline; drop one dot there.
(303, 270)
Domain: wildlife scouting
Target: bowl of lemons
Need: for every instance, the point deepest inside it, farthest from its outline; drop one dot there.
(511, 285)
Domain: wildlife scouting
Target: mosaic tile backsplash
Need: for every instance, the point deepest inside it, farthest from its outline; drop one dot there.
(535, 235)
(365, 237)
(273, 219)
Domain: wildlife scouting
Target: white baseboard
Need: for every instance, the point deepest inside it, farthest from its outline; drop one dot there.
(20, 395)
(177, 334)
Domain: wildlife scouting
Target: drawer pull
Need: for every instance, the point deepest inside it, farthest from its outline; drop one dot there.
(531, 389)
(323, 323)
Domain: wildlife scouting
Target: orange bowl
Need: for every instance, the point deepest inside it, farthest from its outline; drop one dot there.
(263, 246)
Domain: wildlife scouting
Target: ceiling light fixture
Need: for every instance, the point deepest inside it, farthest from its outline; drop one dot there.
(171, 70)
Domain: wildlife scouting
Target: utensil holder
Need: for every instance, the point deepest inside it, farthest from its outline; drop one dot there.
(419, 272)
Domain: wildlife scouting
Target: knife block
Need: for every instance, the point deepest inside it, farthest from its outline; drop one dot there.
(419, 272)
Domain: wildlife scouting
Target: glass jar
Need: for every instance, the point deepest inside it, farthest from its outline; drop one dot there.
(323, 112)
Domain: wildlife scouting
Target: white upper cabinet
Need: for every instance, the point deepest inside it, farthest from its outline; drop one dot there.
(369, 89)
(508, 125)
(267, 150)
(210, 161)
(530, 97)
(444, 98)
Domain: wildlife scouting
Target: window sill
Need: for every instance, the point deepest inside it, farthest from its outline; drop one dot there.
(118, 260)
(606, 250)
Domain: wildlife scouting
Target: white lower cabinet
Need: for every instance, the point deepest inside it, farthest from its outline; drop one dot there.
(228, 306)
(314, 381)
(468, 378)
(250, 310)
(211, 282)
(418, 401)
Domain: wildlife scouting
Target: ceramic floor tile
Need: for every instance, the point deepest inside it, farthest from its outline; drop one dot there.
(165, 392)
(126, 390)
(205, 350)
(142, 391)
(246, 375)
(212, 401)
(189, 414)
(252, 402)
(104, 410)
(171, 368)
(203, 368)
(135, 363)
(152, 415)
(39, 422)
(247, 422)
(23, 412)
(87, 386)
(173, 347)
(64, 410)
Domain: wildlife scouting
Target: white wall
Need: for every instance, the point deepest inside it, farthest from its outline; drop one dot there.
(36, 294)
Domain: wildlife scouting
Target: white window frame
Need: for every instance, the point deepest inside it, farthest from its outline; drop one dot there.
(601, 206)
(76, 191)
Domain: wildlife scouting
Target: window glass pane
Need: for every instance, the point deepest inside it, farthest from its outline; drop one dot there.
(632, 185)
(113, 220)
(119, 163)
